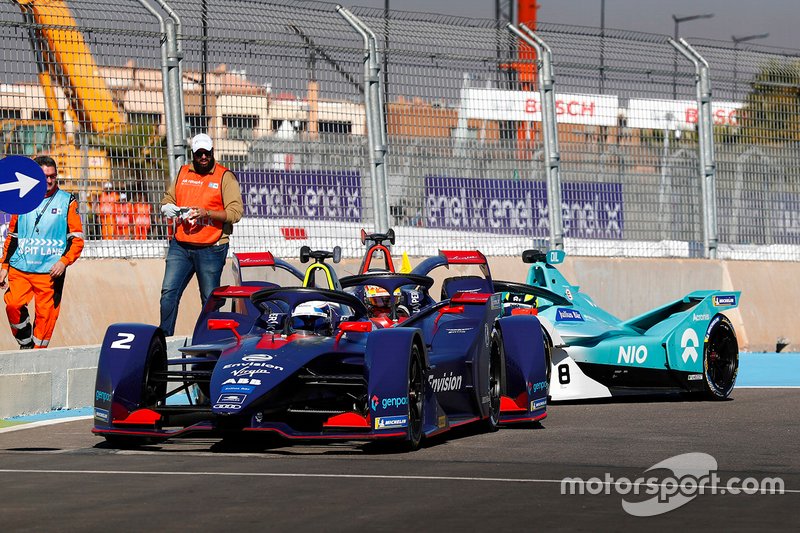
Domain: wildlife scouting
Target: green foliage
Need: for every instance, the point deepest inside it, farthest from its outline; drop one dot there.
(772, 112)
(137, 154)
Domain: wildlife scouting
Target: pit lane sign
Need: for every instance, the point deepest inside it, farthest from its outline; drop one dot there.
(22, 184)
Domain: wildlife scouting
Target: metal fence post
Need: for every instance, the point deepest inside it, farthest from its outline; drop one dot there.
(376, 124)
(705, 133)
(544, 66)
(168, 113)
(175, 78)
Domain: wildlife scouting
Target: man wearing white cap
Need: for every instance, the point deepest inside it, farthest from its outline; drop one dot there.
(206, 201)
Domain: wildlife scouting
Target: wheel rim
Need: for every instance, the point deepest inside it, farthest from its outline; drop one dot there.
(415, 395)
(721, 358)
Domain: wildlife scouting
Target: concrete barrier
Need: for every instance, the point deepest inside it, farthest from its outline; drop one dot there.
(102, 292)
(38, 381)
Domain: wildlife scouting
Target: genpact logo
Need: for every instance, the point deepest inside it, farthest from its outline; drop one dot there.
(689, 343)
(375, 401)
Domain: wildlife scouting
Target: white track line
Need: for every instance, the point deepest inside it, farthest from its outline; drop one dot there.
(40, 423)
(329, 476)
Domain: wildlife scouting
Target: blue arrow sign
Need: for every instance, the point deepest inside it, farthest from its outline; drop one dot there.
(22, 184)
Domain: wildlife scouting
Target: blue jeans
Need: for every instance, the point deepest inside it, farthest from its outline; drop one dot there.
(183, 261)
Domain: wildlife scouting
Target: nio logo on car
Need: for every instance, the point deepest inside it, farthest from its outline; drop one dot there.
(701, 317)
(388, 422)
(724, 299)
(242, 381)
(231, 398)
(689, 343)
(568, 315)
(102, 396)
(632, 354)
(257, 358)
(445, 383)
(457, 330)
(232, 406)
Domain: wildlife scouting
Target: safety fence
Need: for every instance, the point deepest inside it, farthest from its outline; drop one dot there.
(338, 119)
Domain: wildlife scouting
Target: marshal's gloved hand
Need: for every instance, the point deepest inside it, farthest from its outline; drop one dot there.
(170, 210)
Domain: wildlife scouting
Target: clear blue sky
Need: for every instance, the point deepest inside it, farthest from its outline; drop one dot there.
(779, 18)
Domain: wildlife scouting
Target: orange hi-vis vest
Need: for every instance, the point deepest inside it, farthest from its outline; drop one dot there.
(192, 189)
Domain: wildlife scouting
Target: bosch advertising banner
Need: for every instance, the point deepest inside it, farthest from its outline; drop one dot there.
(589, 210)
(498, 104)
(326, 195)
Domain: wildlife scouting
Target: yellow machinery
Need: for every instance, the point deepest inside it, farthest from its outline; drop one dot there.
(64, 60)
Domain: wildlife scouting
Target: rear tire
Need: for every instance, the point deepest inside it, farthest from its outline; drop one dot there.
(416, 399)
(720, 358)
(495, 382)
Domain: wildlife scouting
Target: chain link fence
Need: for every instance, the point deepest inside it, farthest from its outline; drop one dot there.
(280, 87)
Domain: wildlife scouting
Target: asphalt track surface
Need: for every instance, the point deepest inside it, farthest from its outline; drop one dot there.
(62, 478)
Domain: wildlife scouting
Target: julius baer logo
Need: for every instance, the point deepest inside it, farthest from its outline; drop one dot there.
(670, 484)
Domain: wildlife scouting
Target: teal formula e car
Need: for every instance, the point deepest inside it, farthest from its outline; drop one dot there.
(686, 345)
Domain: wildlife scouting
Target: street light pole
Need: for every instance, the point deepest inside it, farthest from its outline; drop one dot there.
(736, 40)
(678, 21)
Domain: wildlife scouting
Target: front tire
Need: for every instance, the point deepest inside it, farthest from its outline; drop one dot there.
(154, 384)
(548, 358)
(720, 358)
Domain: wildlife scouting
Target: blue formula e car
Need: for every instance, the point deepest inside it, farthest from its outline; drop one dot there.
(310, 363)
(686, 345)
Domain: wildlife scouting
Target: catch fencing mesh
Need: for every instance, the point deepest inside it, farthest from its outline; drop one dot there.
(280, 86)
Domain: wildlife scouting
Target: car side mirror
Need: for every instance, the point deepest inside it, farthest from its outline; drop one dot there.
(221, 323)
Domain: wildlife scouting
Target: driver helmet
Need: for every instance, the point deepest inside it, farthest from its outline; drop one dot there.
(511, 298)
(378, 296)
(313, 317)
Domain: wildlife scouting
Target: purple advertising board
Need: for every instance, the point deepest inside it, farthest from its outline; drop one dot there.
(317, 194)
(516, 207)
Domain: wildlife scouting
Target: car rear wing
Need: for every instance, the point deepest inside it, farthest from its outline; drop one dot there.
(241, 261)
